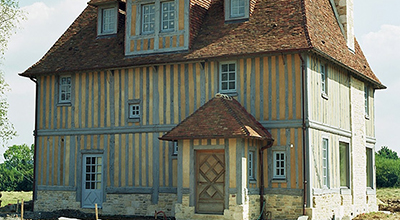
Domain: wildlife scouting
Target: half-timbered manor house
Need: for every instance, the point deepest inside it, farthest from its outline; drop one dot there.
(202, 109)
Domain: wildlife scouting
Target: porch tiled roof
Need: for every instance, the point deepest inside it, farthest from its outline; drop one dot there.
(274, 27)
(221, 117)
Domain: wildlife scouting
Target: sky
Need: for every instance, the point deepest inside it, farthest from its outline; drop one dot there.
(377, 29)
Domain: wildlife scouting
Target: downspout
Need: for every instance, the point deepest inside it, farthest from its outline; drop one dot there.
(303, 95)
(35, 142)
(261, 154)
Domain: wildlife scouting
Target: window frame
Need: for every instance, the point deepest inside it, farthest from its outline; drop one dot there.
(100, 19)
(275, 168)
(227, 91)
(169, 29)
(366, 100)
(60, 88)
(175, 148)
(236, 17)
(251, 165)
(346, 165)
(142, 6)
(325, 163)
(131, 117)
(369, 162)
(324, 80)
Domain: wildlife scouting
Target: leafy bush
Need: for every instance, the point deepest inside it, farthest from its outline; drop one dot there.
(387, 168)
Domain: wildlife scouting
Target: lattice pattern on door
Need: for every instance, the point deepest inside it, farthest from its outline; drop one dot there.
(210, 182)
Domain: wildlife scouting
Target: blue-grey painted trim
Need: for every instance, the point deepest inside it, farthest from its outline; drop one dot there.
(307, 148)
(253, 88)
(129, 190)
(140, 160)
(288, 159)
(232, 191)
(106, 100)
(164, 74)
(92, 151)
(180, 170)
(119, 159)
(202, 86)
(227, 170)
(194, 101)
(60, 147)
(285, 63)
(296, 157)
(105, 166)
(147, 174)
(245, 76)
(127, 160)
(205, 147)
(171, 86)
(187, 101)
(170, 170)
(48, 161)
(56, 188)
(270, 88)
(278, 98)
(86, 118)
(261, 97)
(192, 177)
(185, 190)
(147, 96)
(156, 170)
(51, 104)
(72, 160)
(99, 88)
(92, 100)
(79, 100)
(179, 93)
(168, 190)
(79, 171)
(239, 155)
(112, 160)
(294, 88)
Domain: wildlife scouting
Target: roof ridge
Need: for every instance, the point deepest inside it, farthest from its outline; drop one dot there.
(243, 128)
(304, 23)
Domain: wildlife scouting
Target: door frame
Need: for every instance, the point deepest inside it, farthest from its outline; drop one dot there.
(83, 180)
(200, 149)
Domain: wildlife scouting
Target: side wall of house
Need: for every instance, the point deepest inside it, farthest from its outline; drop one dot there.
(335, 118)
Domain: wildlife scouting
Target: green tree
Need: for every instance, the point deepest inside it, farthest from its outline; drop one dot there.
(16, 173)
(10, 16)
(387, 153)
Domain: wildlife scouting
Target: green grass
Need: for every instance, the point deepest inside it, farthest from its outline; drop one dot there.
(12, 197)
(388, 193)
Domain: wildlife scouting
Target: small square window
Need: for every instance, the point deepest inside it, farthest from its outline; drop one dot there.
(148, 18)
(65, 89)
(134, 111)
(168, 16)
(237, 8)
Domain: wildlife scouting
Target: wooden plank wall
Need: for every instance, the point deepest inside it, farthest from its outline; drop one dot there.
(335, 110)
(268, 87)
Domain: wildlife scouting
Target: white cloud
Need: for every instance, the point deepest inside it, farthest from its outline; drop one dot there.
(45, 23)
(382, 51)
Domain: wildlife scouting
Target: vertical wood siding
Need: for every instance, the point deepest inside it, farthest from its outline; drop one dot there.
(268, 87)
(335, 110)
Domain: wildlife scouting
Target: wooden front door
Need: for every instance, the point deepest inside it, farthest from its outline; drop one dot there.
(210, 181)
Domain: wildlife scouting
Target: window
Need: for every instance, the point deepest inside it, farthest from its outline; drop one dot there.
(107, 20)
(251, 165)
(324, 77)
(237, 8)
(344, 165)
(325, 165)
(168, 16)
(148, 18)
(93, 172)
(369, 168)
(133, 109)
(366, 100)
(228, 77)
(279, 165)
(175, 148)
(65, 89)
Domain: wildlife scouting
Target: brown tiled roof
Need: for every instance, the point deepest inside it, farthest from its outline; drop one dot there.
(275, 26)
(221, 117)
(100, 2)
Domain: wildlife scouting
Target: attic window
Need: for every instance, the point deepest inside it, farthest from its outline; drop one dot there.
(107, 20)
(236, 10)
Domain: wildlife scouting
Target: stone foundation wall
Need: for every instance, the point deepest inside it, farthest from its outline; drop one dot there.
(115, 204)
(56, 200)
(283, 206)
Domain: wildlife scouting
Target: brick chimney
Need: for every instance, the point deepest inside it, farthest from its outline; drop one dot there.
(345, 15)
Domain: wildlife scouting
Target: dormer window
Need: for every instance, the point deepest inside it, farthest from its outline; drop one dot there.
(153, 22)
(107, 20)
(148, 18)
(236, 10)
(168, 16)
